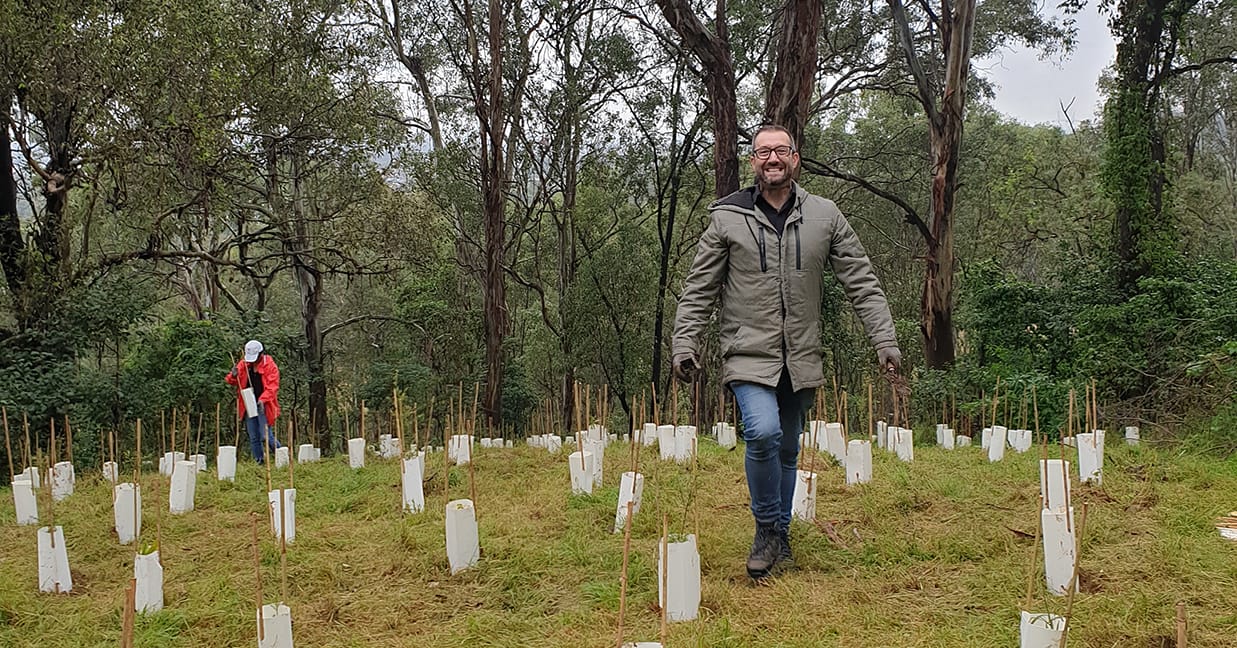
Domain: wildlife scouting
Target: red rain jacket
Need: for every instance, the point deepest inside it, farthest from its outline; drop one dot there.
(265, 366)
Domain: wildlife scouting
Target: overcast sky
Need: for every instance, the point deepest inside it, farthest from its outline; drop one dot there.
(1032, 90)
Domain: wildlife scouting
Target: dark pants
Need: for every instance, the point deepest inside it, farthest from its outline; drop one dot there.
(772, 421)
(256, 425)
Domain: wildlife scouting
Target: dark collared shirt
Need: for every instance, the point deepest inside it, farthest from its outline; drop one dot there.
(776, 216)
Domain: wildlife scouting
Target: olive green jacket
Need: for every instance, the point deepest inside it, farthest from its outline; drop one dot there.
(770, 288)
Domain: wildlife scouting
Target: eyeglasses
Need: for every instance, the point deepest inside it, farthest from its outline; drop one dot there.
(765, 152)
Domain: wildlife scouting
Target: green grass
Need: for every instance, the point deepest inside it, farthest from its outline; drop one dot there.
(931, 557)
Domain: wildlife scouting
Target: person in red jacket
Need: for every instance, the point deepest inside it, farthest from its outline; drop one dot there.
(258, 370)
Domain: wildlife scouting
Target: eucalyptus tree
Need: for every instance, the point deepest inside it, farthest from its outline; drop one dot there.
(1157, 42)
(586, 58)
(60, 64)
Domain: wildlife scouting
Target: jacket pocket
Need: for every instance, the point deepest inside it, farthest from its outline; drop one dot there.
(733, 343)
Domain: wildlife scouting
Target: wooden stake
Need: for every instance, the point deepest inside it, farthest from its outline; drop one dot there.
(472, 477)
(1064, 487)
(197, 442)
(126, 630)
(68, 437)
(137, 479)
(257, 572)
(623, 576)
(665, 572)
(871, 422)
(1181, 625)
(446, 456)
(845, 420)
(283, 546)
(8, 447)
(362, 424)
(25, 423)
(575, 392)
(996, 398)
(291, 463)
(1073, 581)
(266, 457)
(1026, 605)
(1035, 405)
(217, 422)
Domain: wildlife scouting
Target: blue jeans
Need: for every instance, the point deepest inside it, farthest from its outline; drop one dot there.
(255, 425)
(772, 422)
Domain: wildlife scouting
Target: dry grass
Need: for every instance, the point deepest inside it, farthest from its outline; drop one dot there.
(932, 557)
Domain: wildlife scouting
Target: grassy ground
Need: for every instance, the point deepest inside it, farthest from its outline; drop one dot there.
(936, 553)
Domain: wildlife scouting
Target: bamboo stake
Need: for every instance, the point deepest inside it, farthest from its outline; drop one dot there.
(137, 480)
(362, 423)
(257, 571)
(283, 546)
(1026, 605)
(126, 630)
(953, 410)
(291, 463)
(163, 432)
(399, 433)
(837, 399)
(197, 442)
(1065, 488)
(845, 416)
(1073, 581)
(8, 447)
(996, 399)
(51, 500)
(266, 457)
(1181, 625)
(575, 393)
(472, 476)
(446, 456)
(1043, 439)
(871, 422)
(159, 517)
(111, 452)
(665, 572)
(217, 422)
(623, 576)
(25, 423)
(68, 437)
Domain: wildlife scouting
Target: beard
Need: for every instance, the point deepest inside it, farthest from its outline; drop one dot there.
(782, 177)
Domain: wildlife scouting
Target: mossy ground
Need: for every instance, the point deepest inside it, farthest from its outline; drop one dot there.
(933, 553)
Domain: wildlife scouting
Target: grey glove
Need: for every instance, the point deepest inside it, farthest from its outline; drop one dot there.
(684, 366)
(889, 359)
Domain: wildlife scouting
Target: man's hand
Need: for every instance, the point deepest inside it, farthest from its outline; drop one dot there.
(684, 366)
(890, 360)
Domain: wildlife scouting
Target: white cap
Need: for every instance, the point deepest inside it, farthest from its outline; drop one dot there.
(252, 349)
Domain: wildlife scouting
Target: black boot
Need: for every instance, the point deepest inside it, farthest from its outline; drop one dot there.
(785, 556)
(766, 547)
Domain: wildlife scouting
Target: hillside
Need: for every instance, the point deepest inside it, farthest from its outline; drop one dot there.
(933, 553)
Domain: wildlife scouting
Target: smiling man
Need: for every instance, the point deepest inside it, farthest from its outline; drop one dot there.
(763, 256)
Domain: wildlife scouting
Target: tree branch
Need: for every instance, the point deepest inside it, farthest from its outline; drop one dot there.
(912, 61)
(909, 214)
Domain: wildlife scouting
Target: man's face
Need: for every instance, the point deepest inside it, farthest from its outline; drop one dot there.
(774, 171)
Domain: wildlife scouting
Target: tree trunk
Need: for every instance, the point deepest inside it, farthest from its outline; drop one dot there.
(11, 243)
(1133, 170)
(945, 127)
(717, 68)
(794, 74)
(493, 119)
